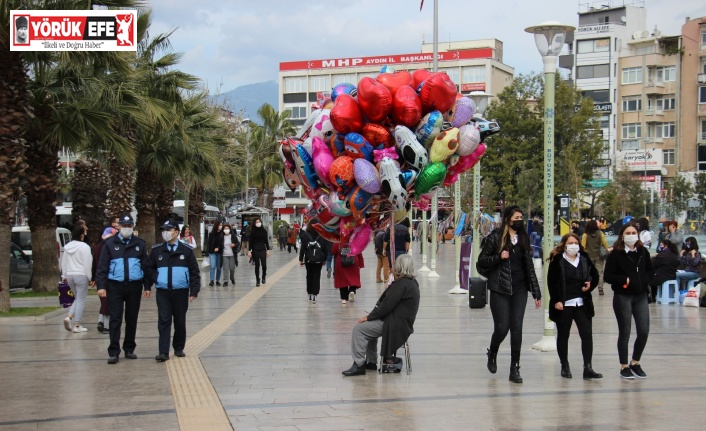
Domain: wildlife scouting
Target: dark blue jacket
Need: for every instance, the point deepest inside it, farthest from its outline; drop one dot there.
(175, 270)
(122, 263)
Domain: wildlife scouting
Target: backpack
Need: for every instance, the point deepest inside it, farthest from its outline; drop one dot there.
(346, 259)
(314, 253)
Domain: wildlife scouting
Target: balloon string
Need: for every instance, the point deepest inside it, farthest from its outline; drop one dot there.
(392, 246)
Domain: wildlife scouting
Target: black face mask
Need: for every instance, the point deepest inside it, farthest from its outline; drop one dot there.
(518, 225)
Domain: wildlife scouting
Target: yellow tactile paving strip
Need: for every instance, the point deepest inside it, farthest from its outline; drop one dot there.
(196, 401)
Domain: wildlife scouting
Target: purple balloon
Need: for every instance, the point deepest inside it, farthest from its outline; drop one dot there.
(366, 175)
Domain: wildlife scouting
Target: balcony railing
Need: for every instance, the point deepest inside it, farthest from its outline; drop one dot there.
(702, 137)
(650, 140)
(701, 78)
(654, 111)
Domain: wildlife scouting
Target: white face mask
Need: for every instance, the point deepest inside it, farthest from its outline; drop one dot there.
(258, 224)
(226, 231)
(630, 240)
(126, 232)
(572, 249)
(167, 235)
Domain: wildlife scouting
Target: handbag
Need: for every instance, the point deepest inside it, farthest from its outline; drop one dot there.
(346, 259)
(66, 296)
(603, 252)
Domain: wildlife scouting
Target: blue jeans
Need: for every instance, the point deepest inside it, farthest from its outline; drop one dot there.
(215, 261)
(329, 261)
(686, 275)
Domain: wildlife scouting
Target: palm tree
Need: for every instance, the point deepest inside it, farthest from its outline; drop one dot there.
(89, 186)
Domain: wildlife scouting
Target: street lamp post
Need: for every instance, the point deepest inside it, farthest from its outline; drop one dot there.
(549, 38)
(435, 200)
(246, 122)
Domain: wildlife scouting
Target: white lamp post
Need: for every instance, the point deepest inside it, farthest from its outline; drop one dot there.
(549, 37)
(435, 201)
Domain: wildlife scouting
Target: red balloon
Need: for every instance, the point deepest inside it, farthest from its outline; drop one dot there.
(419, 76)
(406, 107)
(346, 115)
(375, 99)
(438, 93)
(393, 81)
(377, 134)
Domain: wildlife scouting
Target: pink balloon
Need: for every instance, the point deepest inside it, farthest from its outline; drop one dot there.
(322, 159)
(360, 238)
(464, 164)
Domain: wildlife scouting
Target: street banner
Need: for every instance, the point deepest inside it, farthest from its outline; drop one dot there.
(465, 267)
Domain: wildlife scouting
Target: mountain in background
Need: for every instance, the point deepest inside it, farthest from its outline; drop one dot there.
(249, 98)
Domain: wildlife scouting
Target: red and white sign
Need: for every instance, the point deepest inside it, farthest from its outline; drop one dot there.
(639, 160)
(473, 86)
(73, 30)
(420, 57)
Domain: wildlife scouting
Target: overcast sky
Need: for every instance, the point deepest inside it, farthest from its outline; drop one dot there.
(230, 43)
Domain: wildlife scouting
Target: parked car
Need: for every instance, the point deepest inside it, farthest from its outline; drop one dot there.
(20, 268)
(22, 237)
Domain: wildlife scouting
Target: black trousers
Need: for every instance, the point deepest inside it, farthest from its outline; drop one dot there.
(344, 291)
(127, 297)
(563, 330)
(282, 242)
(172, 305)
(260, 261)
(626, 308)
(289, 248)
(313, 278)
(508, 314)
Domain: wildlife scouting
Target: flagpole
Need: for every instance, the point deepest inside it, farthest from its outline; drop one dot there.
(435, 200)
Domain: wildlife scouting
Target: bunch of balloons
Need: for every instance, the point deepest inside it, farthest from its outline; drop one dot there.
(375, 148)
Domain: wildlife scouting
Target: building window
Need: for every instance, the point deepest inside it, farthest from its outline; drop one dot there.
(632, 131)
(703, 130)
(703, 37)
(630, 145)
(594, 45)
(605, 121)
(666, 103)
(453, 73)
(667, 73)
(319, 83)
(702, 94)
(701, 158)
(473, 74)
(295, 85)
(348, 78)
(593, 71)
(632, 75)
(598, 96)
(632, 104)
(667, 130)
(296, 111)
(668, 157)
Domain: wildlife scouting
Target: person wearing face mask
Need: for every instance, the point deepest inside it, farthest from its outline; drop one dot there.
(690, 260)
(231, 247)
(665, 264)
(570, 280)
(506, 261)
(215, 253)
(123, 271)
(628, 270)
(259, 250)
(177, 278)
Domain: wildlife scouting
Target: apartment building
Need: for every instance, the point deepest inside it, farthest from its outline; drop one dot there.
(692, 103)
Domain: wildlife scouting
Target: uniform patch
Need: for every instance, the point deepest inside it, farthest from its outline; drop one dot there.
(181, 257)
(160, 257)
(137, 248)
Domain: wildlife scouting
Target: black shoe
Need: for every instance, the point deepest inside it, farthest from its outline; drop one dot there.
(625, 373)
(566, 371)
(161, 357)
(179, 353)
(232, 281)
(264, 280)
(100, 327)
(328, 273)
(130, 355)
(225, 284)
(370, 366)
(636, 369)
(589, 374)
(257, 284)
(515, 373)
(492, 361)
(218, 283)
(314, 299)
(354, 370)
(113, 360)
(211, 284)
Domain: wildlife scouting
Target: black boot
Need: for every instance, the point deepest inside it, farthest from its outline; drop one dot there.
(515, 373)
(589, 374)
(566, 371)
(492, 361)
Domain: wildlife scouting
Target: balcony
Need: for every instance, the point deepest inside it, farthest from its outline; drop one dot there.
(651, 111)
(701, 109)
(654, 87)
(701, 78)
(650, 140)
(701, 138)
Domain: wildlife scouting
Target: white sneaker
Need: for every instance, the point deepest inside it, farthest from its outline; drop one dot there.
(80, 329)
(343, 301)
(67, 324)
(351, 297)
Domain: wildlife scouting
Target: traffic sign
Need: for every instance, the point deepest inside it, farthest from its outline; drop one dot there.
(279, 203)
(597, 184)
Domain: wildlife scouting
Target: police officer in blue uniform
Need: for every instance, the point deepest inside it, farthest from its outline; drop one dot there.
(178, 281)
(123, 271)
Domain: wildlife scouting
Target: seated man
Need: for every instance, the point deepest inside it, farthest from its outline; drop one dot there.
(392, 319)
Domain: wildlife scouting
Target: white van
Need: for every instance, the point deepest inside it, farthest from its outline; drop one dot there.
(22, 237)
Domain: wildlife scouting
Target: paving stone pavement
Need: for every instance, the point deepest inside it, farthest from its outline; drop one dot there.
(278, 367)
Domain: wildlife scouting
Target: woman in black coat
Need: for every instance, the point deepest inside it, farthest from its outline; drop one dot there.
(259, 250)
(628, 269)
(506, 260)
(215, 253)
(665, 264)
(571, 278)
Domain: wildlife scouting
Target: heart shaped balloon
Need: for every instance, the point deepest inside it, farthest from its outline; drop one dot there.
(468, 139)
(438, 93)
(444, 145)
(461, 112)
(395, 80)
(359, 239)
(377, 135)
(366, 175)
(346, 115)
(406, 107)
(323, 159)
(429, 127)
(375, 99)
(419, 76)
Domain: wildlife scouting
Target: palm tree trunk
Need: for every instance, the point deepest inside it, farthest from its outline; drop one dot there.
(196, 214)
(89, 184)
(14, 106)
(165, 204)
(146, 193)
